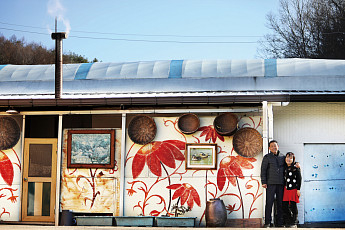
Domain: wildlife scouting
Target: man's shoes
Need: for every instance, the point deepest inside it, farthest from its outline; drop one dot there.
(268, 225)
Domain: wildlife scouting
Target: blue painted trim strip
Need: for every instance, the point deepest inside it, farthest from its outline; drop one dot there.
(2, 66)
(175, 69)
(82, 71)
(271, 68)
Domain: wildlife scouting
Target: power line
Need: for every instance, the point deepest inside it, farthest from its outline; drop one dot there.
(142, 40)
(161, 41)
(170, 35)
(24, 31)
(146, 35)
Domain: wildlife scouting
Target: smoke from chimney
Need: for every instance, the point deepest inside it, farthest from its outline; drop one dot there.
(57, 10)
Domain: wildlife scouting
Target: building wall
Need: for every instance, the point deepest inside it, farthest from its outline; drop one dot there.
(91, 190)
(151, 187)
(98, 190)
(10, 180)
(298, 127)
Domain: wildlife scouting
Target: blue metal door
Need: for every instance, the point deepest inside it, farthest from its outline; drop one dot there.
(324, 181)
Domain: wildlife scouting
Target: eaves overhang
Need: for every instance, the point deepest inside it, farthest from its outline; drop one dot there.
(169, 99)
(143, 100)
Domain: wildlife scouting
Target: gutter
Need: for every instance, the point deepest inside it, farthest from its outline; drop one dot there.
(141, 101)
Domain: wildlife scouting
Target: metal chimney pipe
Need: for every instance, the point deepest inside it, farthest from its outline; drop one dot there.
(58, 62)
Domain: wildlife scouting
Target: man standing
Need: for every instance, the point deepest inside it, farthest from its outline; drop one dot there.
(272, 179)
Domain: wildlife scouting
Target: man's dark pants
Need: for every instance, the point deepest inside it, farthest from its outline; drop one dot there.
(273, 190)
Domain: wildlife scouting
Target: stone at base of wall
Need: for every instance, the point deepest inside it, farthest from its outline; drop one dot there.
(244, 223)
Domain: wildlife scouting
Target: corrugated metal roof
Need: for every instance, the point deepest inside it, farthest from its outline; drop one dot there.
(176, 77)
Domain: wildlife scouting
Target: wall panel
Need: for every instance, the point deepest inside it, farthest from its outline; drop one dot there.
(312, 123)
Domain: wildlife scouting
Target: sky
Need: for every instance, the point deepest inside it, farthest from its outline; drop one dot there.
(142, 30)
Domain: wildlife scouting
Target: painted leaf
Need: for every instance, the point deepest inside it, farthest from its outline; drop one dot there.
(167, 158)
(190, 201)
(196, 197)
(178, 192)
(6, 168)
(154, 164)
(175, 151)
(138, 165)
(221, 179)
(154, 213)
(174, 186)
(249, 186)
(179, 144)
(184, 196)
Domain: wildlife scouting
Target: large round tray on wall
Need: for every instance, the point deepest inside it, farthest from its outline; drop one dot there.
(225, 124)
(188, 123)
(142, 129)
(247, 142)
(9, 132)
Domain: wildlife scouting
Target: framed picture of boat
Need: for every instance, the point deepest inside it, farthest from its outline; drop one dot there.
(201, 156)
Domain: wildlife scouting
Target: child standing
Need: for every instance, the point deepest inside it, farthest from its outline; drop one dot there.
(293, 179)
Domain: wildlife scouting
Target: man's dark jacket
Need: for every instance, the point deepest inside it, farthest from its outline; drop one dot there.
(272, 169)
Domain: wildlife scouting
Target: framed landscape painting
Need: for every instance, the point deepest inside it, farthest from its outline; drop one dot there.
(91, 149)
(201, 156)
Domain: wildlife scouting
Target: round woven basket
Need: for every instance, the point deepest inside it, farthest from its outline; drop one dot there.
(142, 129)
(225, 124)
(247, 142)
(9, 132)
(188, 123)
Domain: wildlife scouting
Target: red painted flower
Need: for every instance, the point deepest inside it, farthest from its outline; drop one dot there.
(13, 199)
(6, 168)
(187, 193)
(155, 153)
(131, 191)
(210, 133)
(230, 208)
(231, 167)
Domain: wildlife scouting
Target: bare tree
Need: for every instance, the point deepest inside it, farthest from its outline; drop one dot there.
(18, 52)
(306, 29)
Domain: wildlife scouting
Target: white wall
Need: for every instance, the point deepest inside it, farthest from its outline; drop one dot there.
(148, 193)
(301, 123)
(10, 191)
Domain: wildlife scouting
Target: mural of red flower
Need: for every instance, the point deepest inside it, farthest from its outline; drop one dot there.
(155, 153)
(6, 168)
(230, 208)
(187, 193)
(231, 167)
(210, 133)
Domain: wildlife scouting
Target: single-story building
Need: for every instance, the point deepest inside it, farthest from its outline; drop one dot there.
(113, 144)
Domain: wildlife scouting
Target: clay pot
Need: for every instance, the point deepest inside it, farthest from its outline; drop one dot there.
(215, 213)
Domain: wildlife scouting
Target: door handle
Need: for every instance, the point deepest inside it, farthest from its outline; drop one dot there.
(25, 179)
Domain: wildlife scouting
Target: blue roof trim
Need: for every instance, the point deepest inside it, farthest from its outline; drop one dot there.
(82, 71)
(271, 68)
(175, 69)
(2, 66)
